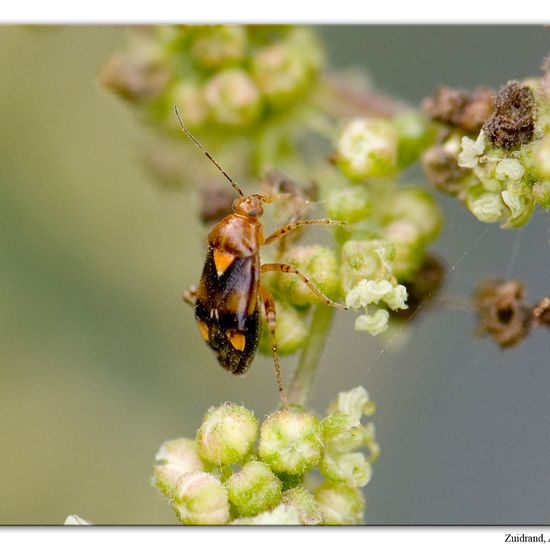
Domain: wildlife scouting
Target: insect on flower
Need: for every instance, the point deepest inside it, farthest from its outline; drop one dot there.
(228, 297)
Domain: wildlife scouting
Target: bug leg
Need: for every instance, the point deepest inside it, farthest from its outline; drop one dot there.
(190, 295)
(286, 268)
(271, 319)
(292, 226)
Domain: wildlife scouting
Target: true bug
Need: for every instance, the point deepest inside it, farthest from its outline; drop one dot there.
(227, 299)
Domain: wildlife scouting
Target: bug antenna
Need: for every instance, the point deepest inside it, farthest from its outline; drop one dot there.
(208, 155)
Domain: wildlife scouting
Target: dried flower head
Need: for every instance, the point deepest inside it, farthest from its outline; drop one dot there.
(512, 123)
(502, 311)
(541, 312)
(467, 111)
(134, 78)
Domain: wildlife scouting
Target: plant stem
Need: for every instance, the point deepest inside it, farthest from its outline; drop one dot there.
(309, 360)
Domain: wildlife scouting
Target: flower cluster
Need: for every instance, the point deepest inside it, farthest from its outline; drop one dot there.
(248, 81)
(224, 75)
(389, 228)
(384, 240)
(238, 471)
(498, 163)
(385, 233)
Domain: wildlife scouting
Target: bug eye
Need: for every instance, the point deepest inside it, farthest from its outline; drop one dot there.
(255, 210)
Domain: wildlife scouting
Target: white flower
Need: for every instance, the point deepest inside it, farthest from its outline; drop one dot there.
(351, 469)
(488, 207)
(367, 148)
(471, 150)
(367, 292)
(513, 202)
(373, 324)
(351, 403)
(509, 169)
(396, 298)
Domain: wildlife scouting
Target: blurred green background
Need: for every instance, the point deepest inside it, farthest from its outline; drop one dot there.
(100, 361)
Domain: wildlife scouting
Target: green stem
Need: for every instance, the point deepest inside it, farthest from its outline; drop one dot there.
(311, 354)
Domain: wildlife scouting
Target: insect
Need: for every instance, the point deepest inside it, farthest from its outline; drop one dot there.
(229, 296)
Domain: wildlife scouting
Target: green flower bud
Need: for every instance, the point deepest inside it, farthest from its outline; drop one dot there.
(341, 434)
(291, 331)
(200, 499)
(320, 265)
(542, 157)
(191, 105)
(366, 260)
(304, 503)
(541, 193)
(290, 442)
(254, 489)
(305, 44)
(233, 98)
(367, 148)
(281, 75)
(219, 45)
(350, 204)
(280, 515)
(418, 207)
(375, 323)
(351, 469)
(227, 434)
(339, 505)
(414, 135)
(409, 252)
(174, 459)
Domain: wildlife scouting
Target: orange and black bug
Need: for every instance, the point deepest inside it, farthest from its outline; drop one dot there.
(227, 300)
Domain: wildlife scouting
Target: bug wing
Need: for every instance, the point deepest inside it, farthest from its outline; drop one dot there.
(227, 311)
